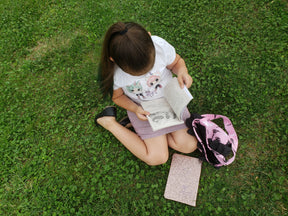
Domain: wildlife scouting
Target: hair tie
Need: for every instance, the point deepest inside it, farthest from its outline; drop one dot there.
(123, 31)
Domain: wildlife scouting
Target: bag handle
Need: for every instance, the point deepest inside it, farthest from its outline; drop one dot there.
(230, 130)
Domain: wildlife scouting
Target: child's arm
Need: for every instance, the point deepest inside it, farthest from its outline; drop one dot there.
(179, 68)
(123, 101)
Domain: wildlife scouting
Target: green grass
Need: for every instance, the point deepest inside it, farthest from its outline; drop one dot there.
(54, 161)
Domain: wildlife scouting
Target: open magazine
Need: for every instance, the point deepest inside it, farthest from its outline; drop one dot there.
(167, 111)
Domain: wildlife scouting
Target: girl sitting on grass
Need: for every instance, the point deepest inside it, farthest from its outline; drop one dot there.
(138, 66)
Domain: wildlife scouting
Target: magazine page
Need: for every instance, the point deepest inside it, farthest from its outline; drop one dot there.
(177, 98)
(161, 114)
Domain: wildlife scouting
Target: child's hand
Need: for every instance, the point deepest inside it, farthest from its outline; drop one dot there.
(184, 79)
(142, 114)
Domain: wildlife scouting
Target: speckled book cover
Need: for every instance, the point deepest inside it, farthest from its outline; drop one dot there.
(183, 179)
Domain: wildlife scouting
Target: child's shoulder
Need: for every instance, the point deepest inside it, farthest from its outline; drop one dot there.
(157, 39)
(164, 49)
(160, 42)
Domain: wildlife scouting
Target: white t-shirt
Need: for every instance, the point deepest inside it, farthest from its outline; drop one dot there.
(150, 85)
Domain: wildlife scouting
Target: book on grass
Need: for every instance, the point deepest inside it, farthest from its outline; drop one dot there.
(183, 179)
(168, 110)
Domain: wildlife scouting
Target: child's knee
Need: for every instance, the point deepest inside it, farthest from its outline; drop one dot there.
(191, 146)
(157, 159)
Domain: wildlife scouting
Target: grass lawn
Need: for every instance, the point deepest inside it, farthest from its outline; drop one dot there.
(54, 161)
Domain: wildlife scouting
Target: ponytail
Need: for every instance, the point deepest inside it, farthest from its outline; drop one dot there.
(130, 47)
(106, 67)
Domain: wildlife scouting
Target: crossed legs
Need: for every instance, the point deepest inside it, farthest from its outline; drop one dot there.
(153, 151)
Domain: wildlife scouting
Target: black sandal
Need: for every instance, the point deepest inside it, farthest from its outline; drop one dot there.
(125, 122)
(108, 111)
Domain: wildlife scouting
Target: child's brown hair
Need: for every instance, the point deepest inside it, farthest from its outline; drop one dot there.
(129, 46)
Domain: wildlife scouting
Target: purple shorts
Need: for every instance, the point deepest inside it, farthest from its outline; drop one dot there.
(144, 130)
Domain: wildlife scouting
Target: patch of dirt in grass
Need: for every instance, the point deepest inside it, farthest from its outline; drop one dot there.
(48, 45)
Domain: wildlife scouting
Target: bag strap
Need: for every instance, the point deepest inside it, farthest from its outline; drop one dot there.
(230, 130)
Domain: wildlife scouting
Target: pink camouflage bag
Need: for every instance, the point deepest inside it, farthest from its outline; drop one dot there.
(218, 147)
